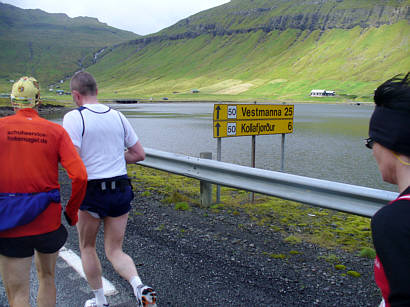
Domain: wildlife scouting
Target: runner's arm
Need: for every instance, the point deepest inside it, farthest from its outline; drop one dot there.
(76, 170)
(135, 153)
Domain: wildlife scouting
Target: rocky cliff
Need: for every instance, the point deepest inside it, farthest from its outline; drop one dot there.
(243, 16)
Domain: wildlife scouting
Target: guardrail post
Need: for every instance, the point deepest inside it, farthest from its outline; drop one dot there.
(205, 186)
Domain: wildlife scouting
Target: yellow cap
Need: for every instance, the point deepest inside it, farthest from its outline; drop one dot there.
(25, 93)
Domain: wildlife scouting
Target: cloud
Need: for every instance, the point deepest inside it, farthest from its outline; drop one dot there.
(139, 16)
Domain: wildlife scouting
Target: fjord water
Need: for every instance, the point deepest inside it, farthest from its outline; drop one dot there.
(327, 142)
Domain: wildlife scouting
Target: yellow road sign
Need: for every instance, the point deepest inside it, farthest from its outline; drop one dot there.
(252, 127)
(252, 111)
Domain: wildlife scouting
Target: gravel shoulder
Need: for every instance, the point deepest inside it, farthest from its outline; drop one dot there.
(206, 257)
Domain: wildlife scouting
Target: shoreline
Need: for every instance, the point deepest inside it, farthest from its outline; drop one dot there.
(113, 101)
(47, 109)
(43, 110)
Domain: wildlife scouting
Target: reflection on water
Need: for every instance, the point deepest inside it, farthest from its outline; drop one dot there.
(327, 142)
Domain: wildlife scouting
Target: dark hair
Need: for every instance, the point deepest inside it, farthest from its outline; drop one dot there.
(389, 124)
(84, 83)
(394, 93)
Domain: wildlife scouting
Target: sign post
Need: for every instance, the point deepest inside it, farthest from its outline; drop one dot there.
(253, 162)
(282, 153)
(231, 120)
(218, 158)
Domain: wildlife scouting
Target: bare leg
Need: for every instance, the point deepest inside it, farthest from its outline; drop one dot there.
(46, 265)
(15, 273)
(114, 230)
(87, 232)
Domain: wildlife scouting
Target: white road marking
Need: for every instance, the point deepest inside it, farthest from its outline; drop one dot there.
(75, 261)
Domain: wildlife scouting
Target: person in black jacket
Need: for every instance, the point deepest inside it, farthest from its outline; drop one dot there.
(389, 137)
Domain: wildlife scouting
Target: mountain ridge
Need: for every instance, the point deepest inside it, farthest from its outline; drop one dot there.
(50, 46)
(300, 14)
(17, 16)
(302, 22)
(254, 49)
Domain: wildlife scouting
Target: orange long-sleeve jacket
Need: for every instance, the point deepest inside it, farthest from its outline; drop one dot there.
(31, 149)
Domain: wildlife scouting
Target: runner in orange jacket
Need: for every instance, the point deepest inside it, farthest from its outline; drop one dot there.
(31, 149)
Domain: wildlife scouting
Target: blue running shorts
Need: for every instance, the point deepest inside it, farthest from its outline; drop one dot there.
(108, 197)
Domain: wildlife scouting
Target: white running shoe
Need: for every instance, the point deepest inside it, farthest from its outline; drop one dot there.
(93, 303)
(146, 297)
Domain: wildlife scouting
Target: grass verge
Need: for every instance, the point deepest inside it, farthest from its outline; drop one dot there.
(296, 222)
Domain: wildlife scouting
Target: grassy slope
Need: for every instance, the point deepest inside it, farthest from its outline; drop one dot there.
(258, 65)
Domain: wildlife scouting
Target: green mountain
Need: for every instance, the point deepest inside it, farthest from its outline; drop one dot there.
(50, 46)
(265, 50)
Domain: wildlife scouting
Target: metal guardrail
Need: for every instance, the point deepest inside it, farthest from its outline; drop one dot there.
(316, 192)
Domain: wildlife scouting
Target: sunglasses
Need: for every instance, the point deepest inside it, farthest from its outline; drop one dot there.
(369, 142)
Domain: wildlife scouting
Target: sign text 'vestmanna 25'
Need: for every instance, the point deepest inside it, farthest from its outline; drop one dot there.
(252, 111)
(252, 119)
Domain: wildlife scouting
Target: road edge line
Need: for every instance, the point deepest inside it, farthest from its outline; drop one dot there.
(75, 262)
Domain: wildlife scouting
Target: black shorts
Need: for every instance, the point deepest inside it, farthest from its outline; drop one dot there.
(23, 247)
(108, 197)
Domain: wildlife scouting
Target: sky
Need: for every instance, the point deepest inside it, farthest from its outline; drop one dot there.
(139, 16)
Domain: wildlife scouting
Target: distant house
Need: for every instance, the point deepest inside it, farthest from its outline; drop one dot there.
(322, 93)
(59, 92)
